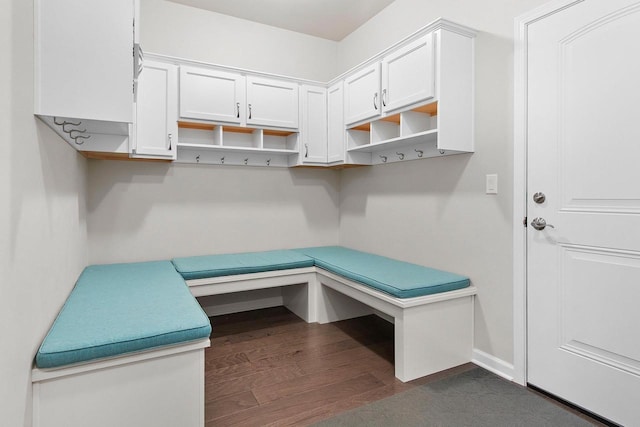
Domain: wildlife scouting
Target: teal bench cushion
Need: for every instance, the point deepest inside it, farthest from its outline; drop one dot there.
(200, 267)
(397, 278)
(122, 308)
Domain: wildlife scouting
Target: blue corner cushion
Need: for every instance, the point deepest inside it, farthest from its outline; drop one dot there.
(200, 267)
(123, 308)
(398, 278)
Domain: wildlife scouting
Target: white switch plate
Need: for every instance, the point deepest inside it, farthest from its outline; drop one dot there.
(492, 183)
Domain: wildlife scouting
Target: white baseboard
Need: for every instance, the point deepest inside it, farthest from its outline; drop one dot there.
(492, 364)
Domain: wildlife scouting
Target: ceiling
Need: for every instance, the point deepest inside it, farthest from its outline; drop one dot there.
(328, 19)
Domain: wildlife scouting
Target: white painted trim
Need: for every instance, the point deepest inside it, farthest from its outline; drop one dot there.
(493, 364)
(38, 375)
(249, 282)
(521, 25)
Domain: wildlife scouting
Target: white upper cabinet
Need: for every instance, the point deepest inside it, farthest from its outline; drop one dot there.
(408, 75)
(230, 97)
(84, 59)
(403, 77)
(213, 95)
(426, 96)
(313, 132)
(156, 126)
(272, 103)
(362, 94)
(335, 118)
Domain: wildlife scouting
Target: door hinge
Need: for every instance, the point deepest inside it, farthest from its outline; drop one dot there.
(524, 221)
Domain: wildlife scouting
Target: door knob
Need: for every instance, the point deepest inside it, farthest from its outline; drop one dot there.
(540, 224)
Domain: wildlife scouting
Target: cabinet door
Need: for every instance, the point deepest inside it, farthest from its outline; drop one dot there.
(408, 75)
(335, 118)
(156, 126)
(272, 103)
(314, 125)
(83, 59)
(362, 95)
(211, 95)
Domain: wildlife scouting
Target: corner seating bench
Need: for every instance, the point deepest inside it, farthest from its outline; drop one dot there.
(127, 348)
(432, 310)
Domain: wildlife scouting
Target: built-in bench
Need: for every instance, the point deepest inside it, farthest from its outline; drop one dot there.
(126, 349)
(432, 310)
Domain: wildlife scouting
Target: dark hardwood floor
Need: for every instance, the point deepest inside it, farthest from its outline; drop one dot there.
(268, 367)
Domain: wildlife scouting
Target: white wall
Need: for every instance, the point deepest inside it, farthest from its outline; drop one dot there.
(434, 211)
(185, 32)
(42, 216)
(143, 211)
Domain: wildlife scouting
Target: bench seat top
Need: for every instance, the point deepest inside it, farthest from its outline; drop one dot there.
(398, 278)
(200, 267)
(122, 308)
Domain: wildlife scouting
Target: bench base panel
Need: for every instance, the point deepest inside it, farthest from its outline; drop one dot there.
(432, 333)
(297, 287)
(433, 337)
(158, 388)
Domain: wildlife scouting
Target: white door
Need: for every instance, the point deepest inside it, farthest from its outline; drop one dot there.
(583, 137)
(156, 126)
(408, 75)
(335, 118)
(314, 125)
(362, 95)
(272, 103)
(211, 95)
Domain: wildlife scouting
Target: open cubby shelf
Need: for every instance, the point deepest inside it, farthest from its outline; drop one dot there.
(419, 124)
(247, 150)
(214, 137)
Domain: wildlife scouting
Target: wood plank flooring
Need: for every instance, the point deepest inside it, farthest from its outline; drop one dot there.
(270, 368)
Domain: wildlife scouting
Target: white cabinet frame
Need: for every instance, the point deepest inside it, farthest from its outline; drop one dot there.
(213, 95)
(155, 132)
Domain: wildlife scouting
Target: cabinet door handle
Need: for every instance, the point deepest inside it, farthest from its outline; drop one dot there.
(249, 110)
(375, 100)
(170, 136)
(384, 97)
(237, 110)
(306, 150)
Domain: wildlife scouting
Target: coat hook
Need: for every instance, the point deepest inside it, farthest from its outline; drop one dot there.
(82, 137)
(420, 152)
(222, 160)
(268, 162)
(64, 122)
(246, 161)
(384, 159)
(75, 130)
(64, 129)
(198, 158)
(400, 155)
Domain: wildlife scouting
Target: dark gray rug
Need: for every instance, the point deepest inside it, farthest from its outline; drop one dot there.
(473, 398)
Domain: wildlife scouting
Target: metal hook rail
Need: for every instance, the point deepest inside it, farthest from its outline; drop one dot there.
(74, 134)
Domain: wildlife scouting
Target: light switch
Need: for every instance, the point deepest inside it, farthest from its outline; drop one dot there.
(492, 183)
